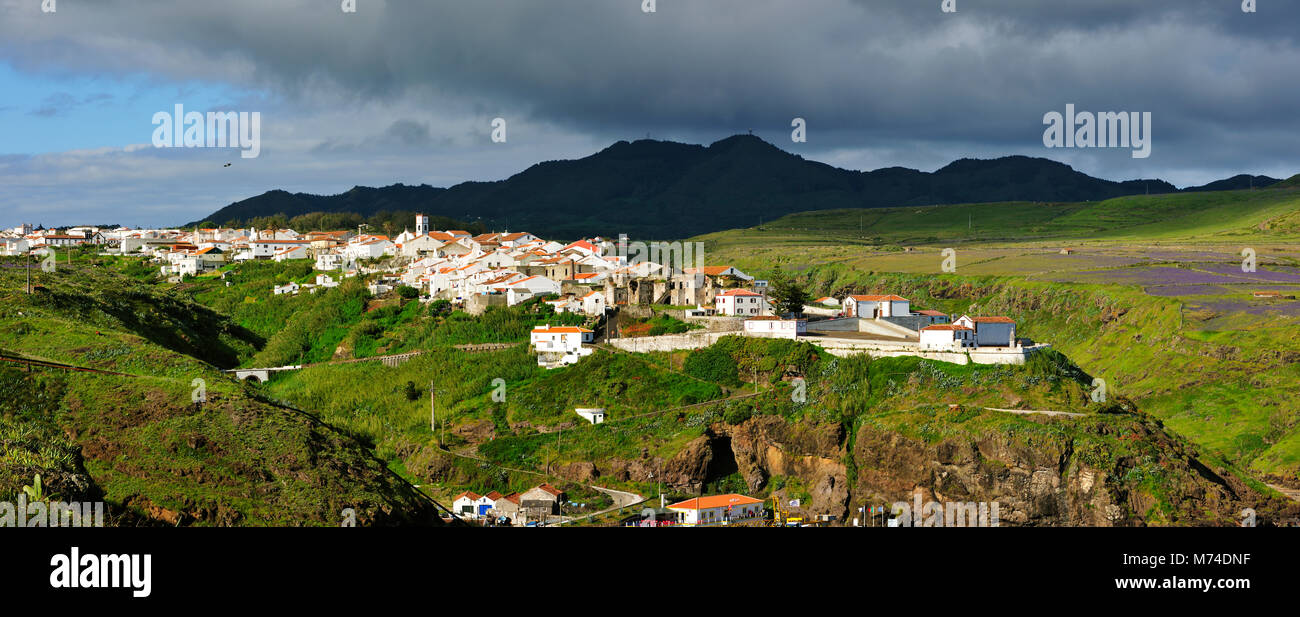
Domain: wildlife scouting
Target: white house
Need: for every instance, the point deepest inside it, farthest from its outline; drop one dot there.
(739, 302)
(290, 252)
(535, 285)
(326, 262)
(565, 305)
(288, 288)
(827, 301)
(560, 345)
(369, 247)
(871, 307)
(775, 327)
(472, 505)
(13, 246)
(594, 303)
(717, 509)
(992, 331)
(594, 415)
(512, 240)
(183, 265)
(947, 337)
(560, 338)
(699, 311)
(268, 249)
(421, 246)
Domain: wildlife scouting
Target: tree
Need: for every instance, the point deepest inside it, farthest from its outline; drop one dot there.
(408, 292)
(786, 295)
(412, 393)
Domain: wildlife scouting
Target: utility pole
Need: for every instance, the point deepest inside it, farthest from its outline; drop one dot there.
(433, 413)
(29, 272)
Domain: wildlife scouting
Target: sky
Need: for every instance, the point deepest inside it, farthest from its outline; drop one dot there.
(406, 91)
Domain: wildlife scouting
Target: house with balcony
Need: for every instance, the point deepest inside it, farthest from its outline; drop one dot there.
(558, 346)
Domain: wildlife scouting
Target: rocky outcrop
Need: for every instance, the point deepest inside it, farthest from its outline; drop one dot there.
(1031, 485)
(767, 446)
(582, 472)
(690, 466)
(476, 432)
(1043, 480)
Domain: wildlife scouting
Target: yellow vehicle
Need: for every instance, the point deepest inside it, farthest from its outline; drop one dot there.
(780, 516)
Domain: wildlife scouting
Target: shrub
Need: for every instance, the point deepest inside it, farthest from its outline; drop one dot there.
(712, 364)
(412, 393)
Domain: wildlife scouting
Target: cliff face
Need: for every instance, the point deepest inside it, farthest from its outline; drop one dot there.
(767, 446)
(1032, 486)
(1121, 469)
(1064, 474)
(1040, 471)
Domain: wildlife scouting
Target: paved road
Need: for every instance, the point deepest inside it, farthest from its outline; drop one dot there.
(622, 499)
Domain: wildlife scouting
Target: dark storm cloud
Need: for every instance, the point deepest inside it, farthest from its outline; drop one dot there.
(896, 74)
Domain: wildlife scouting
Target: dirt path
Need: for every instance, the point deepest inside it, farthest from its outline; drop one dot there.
(1071, 414)
(1293, 494)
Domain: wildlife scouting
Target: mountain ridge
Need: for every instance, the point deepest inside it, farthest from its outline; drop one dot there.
(660, 189)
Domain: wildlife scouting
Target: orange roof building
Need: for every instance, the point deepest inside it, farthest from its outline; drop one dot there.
(717, 509)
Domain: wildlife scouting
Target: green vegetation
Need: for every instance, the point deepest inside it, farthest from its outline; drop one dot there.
(308, 443)
(1217, 216)
(141, 443)
(656, 325)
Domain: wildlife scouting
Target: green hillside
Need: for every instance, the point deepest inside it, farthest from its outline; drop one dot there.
(1210, 216)
(1153, 299)
(138, 440)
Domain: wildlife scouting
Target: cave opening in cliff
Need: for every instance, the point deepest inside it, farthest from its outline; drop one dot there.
(723, 471)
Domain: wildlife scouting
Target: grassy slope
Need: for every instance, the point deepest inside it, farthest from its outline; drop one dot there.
(1212, 216)
(147, 449)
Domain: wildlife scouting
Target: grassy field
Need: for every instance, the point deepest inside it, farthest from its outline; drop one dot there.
(1212, 216)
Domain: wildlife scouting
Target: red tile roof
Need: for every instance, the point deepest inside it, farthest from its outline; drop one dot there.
(550, 489)
(709, 270)
(889, 298)
(561, 329)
